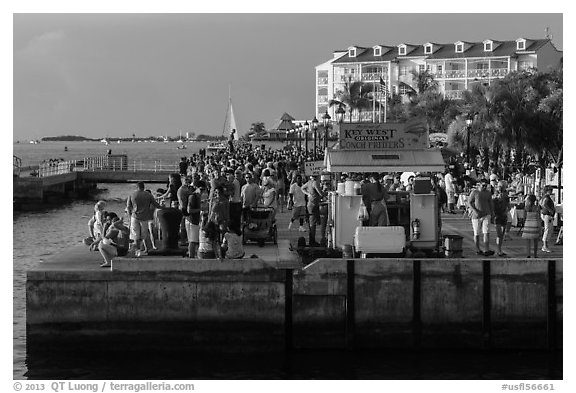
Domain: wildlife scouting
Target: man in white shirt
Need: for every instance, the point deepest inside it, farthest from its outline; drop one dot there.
(450, 191)
(298, 199)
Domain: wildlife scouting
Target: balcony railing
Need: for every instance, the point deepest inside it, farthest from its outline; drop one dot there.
(454, 74)
(374, 76)
(498, 72)
(472, 73)
(454, 94)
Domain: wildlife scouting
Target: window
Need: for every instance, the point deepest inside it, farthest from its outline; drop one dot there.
(402, 50)
(352, 52)
(439, 68)
(403, 89)
(487, 47)
(404, 70)
(459, 48)
(421, 68)
(521, 45)
(377, 51)
(427, 49)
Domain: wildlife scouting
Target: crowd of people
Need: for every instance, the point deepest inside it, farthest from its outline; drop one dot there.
(216, 194)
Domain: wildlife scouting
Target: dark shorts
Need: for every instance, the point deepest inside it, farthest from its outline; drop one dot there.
(501, 220)
(314, 211)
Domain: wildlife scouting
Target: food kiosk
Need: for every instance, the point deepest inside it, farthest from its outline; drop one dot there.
(385, 148)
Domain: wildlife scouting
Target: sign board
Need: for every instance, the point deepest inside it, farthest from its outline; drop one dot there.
(313, 167)
(412, 135)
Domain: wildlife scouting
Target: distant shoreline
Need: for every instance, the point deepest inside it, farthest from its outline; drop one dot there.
(75, 138)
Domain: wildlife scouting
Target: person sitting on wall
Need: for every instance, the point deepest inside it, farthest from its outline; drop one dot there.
(115, 241)
(232, 243)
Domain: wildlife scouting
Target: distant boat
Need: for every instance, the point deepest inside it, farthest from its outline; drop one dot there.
(104, 141)
(34, 142)
(65, 148)
(230, 120)
(229, 129)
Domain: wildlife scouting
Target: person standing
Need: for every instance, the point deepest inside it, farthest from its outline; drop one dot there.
(250, 194)
(192, 221)
(532, 227)
(298, 200)
(482, 208)
(312, 190)
(183, 166)
(501, 207)
(450, 188)
(235, 201)
(377, 196)
(547, 212)
(140, 207)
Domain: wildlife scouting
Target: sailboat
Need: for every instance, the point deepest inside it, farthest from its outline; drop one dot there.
(228, 129)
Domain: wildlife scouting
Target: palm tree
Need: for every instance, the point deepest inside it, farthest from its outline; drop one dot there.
(356, 97)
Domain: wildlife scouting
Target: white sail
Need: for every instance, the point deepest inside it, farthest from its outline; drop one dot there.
(230, 122)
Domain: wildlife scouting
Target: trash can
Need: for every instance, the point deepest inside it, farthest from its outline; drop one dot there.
(453, 246)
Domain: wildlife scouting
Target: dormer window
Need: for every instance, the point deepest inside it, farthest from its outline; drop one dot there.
(402, 50)
(521, 45)
(377, 51)
(459, 48)
(352, 52)
(488, 46)
(427, 49)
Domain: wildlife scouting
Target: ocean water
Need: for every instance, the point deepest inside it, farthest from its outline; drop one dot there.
(41, 234)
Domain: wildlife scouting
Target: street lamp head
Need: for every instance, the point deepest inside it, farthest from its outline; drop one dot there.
(326, 119)
(306, 126)
(340, 114)
(315, 123)
(469, 119)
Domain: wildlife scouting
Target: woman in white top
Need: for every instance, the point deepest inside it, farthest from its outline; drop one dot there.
(232, 244)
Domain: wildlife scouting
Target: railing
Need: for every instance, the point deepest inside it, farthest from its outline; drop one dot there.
(121, 163)
(55, 168)
(472, 73)
(499, 72)
(454, 94)
(17, 161)
(454, 74)
(374, 76)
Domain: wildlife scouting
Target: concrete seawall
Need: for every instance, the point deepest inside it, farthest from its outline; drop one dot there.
(364, 303)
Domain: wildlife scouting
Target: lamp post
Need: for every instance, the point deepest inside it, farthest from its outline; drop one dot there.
(326, 120)
(315, 129)
(469, 120)
(340, 115)
(306, 128)
(299, 128)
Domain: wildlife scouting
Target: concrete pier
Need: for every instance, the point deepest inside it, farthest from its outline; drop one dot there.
(274, 302)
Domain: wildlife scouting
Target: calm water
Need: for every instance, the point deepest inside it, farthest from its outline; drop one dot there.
(42, 234)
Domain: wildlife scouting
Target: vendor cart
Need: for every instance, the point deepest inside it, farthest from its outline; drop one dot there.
(386, 148)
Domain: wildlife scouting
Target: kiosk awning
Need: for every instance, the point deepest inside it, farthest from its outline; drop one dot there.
(384, 161)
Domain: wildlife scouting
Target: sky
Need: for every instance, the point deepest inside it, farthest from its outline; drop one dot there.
(112, 74)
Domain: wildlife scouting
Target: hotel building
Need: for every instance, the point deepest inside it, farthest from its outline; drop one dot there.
(455, 66)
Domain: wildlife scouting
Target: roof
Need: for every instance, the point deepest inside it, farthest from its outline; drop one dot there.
(384, 161)
(446, 51)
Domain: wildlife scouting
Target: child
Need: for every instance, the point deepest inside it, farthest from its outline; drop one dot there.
(532, 227)
(98, 220)
(232, 244)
